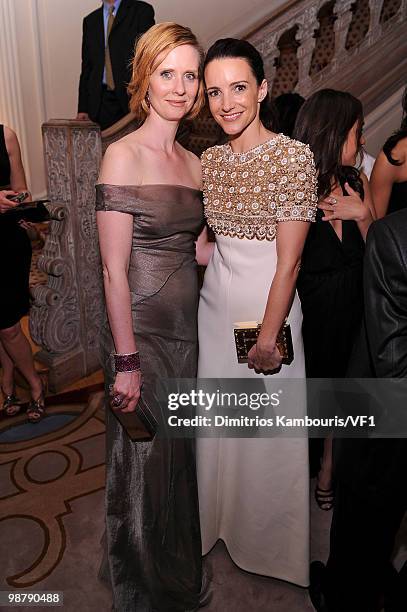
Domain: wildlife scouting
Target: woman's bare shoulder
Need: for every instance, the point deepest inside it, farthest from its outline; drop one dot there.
(121, 163)
(11, 139)
(192, 159)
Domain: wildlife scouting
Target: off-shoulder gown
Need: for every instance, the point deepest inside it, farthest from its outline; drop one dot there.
(153, 534)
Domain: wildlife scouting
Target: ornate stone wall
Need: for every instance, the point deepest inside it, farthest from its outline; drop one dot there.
(355, 45)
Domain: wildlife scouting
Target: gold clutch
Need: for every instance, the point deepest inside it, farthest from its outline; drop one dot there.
(246, 334)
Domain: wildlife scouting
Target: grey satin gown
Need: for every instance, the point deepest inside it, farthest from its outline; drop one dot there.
(153, 535)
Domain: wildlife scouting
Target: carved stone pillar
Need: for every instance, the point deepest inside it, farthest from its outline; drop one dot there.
(341, 27)
(305, 37)
(67, 311)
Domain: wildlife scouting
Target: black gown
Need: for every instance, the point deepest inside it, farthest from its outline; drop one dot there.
(331, 294)
(330, 286)
(15, 256)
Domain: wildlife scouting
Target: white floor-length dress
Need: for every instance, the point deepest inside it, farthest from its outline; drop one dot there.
(253, 493)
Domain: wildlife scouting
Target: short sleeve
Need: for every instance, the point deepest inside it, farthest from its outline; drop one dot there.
(206, 158)
(119, 198)
(297, 183)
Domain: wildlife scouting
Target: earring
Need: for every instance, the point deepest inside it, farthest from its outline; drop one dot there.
(147, 99)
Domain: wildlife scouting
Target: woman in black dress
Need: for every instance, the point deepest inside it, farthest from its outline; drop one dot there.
(389, 175)
(15, 257)
(330, 279)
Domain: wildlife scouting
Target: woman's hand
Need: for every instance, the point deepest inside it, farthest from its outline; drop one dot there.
(125, 392)
(204, 248)
(6, 204)
(264, 357)
(345, 208)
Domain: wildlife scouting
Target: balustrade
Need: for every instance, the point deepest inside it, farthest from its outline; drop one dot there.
(68, 310)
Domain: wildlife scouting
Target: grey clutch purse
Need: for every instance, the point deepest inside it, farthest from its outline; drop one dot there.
(140, 425)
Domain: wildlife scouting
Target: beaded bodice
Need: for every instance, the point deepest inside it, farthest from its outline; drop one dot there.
(247, 194)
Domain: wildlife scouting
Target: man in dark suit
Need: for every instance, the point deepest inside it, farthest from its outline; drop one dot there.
(105, 67)
(371, 487)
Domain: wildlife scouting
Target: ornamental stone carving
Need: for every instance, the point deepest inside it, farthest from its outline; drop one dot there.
(67, 312)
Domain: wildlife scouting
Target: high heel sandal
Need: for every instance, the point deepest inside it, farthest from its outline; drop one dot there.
(36, 408)
(11, 404)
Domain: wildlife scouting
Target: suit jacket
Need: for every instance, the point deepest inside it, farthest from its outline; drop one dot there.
(132, 19)
(376, 468)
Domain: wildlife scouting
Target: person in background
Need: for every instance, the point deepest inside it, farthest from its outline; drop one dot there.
(330, 278)
(109, 35)
(370, 473)
(389, 176)
(15, 255)
(288, 106)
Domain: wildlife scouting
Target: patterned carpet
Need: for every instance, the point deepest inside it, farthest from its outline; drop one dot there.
(51, 502)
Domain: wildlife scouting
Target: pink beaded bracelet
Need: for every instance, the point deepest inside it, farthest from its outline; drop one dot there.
(126, 362)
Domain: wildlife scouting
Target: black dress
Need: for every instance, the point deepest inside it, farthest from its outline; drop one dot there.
(15, 255)
(398, 197)
(331, 292)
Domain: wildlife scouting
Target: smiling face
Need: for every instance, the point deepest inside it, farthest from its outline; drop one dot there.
(174, 83)
(234, 94)
(352, 145)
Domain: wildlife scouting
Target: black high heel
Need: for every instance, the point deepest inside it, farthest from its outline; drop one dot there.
(36, 408)
(11, 401)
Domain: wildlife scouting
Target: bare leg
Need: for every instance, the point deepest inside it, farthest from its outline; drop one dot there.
(18, 349)
(8, 371)
(323, 493)
(325, 474)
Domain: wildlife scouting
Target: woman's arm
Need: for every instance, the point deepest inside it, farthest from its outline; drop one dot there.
(17, 175)
(290, 239)
(18, 182)
(365, 223)
(350, 207)
(383, 176)
(204, 248)
(115, 240)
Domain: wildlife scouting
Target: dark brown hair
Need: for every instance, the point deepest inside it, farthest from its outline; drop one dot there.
(324, 122)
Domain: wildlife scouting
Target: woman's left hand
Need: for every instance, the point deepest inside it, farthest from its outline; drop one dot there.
(264, 357)
(345, 208)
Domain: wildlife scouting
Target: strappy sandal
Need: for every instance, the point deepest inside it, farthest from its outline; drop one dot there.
(36, 409)
(11, 404)
(324, 498)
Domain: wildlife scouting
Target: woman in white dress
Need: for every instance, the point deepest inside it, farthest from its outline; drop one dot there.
(259, 197)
